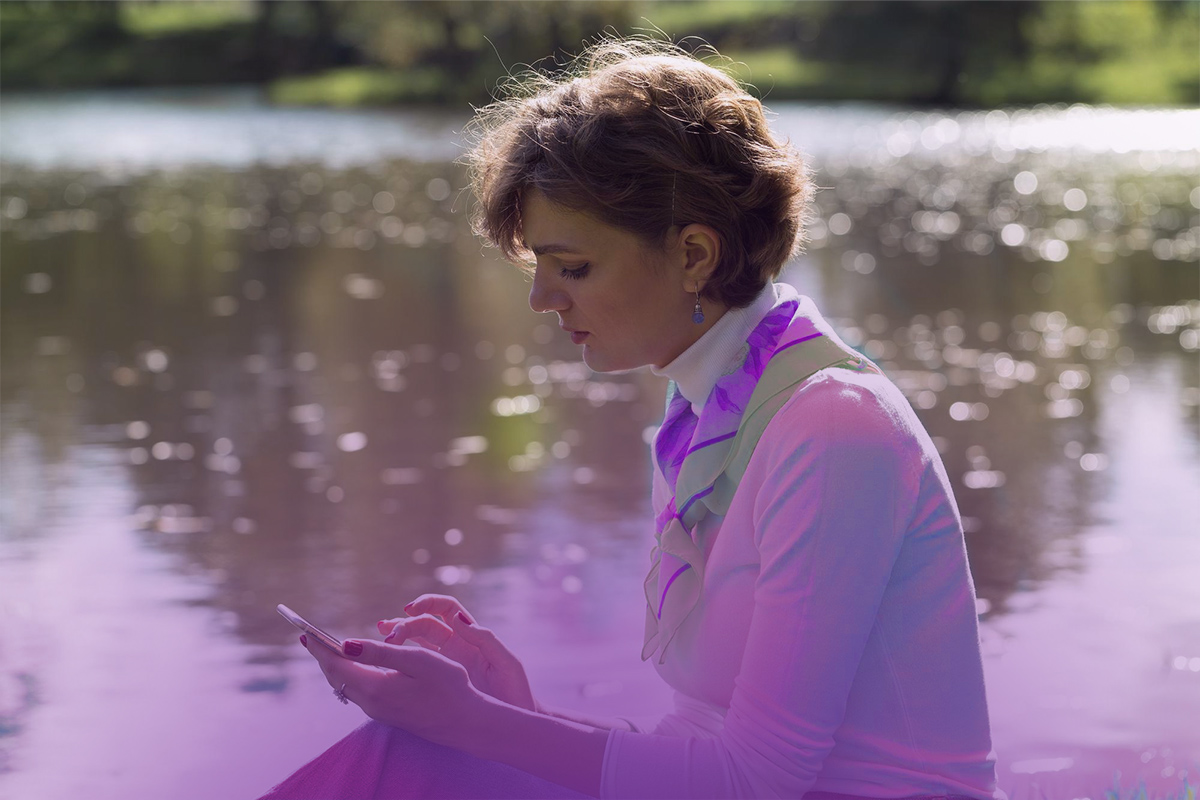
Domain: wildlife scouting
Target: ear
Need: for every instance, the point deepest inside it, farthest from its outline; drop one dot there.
(701, 247)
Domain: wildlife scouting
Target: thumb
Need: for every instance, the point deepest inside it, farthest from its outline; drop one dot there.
(412, 660)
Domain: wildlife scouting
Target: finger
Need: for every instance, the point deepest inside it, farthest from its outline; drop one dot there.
(442, 605)
(388, 626)
(480, 637)
(355, 680)
(424, 628)
(385, 626)
(326, 659)
(415, 662)
(429, 597)
(400, 636)
(417, 640)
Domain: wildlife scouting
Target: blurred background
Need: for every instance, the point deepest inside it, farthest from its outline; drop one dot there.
(250, 353)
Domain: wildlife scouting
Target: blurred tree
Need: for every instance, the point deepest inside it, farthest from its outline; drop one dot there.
(470, 43)
(155, 18)
(351, 52)
(299, 36)
(1122, 52)
(53, 41)
(163, 42)
(936, 43)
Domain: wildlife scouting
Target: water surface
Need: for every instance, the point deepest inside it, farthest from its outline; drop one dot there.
(253, 355)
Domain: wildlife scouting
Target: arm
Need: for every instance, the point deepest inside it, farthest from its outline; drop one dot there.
(555, 749)
(571, 715)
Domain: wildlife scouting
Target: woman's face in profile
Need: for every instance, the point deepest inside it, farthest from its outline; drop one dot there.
(623, 301)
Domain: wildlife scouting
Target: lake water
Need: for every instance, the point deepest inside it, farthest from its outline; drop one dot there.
(253, 355)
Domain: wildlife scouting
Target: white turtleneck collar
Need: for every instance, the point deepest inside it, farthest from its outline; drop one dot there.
(697, 369)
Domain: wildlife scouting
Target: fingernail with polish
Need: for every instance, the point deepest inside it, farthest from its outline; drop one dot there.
(391, 636)
(380, 625)
(463, 617)
(352, 649)
(304, 640)
(408, 607)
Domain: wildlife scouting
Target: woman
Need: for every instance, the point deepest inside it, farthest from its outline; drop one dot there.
(809, 597)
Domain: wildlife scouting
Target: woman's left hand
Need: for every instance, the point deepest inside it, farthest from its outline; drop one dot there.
(405, 686)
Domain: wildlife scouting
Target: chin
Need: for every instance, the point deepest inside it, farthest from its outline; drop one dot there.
(598, 363)
(595, 362)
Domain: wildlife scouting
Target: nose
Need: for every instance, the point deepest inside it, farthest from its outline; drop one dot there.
(546, 294)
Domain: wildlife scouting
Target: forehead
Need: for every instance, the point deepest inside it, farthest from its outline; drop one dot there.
(548, 228)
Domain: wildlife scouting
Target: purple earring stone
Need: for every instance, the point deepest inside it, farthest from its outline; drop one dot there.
(698, 312)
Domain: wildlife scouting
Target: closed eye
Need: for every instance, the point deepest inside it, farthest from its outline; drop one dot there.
(576, 273)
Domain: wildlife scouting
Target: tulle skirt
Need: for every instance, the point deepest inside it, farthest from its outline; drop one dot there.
(379, 762)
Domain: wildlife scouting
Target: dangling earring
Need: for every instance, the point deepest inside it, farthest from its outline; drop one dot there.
(698, 312)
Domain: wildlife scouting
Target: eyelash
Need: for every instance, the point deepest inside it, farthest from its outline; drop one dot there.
(575, 274)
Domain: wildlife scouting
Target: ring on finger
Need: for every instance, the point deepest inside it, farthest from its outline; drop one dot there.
(340, 694)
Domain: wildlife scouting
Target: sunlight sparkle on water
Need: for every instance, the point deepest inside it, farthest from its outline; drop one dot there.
(1021, 289)
(352, 442)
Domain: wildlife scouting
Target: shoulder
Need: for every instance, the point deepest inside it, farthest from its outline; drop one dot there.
(847, 411)
(845, 449)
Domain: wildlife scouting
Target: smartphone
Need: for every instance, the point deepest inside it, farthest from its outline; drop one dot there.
(332, 642)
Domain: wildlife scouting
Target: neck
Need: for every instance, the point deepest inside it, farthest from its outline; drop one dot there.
(696, 369)
(695, 334)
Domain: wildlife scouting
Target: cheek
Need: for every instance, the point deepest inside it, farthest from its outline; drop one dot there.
(634, 304)
(641, 317)
(657, 306)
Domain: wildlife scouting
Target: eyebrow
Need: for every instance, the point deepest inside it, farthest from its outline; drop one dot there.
(546, 249)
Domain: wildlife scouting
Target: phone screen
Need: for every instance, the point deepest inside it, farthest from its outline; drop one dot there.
(332, 642)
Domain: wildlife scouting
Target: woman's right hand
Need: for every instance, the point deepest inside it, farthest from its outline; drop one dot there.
(434, 623)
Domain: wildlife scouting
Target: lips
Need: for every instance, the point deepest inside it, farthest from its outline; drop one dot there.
(577, 337)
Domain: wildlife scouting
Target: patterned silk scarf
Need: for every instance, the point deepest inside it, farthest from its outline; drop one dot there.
(703, 459)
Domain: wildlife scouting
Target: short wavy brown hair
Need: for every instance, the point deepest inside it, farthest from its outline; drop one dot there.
(642, 135)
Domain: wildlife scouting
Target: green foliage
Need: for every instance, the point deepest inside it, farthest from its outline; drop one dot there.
(155, 18)
(59, 43)
(494, 35)
(357, 86)
(452, 51)
(1139, 52)
(1135, 53)
(715, 15)
(1142, 52)
(778, 70)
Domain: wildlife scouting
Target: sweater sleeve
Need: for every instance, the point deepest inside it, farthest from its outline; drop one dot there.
(834, 481)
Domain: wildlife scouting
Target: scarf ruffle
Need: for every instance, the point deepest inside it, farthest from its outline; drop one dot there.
(693, 454)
